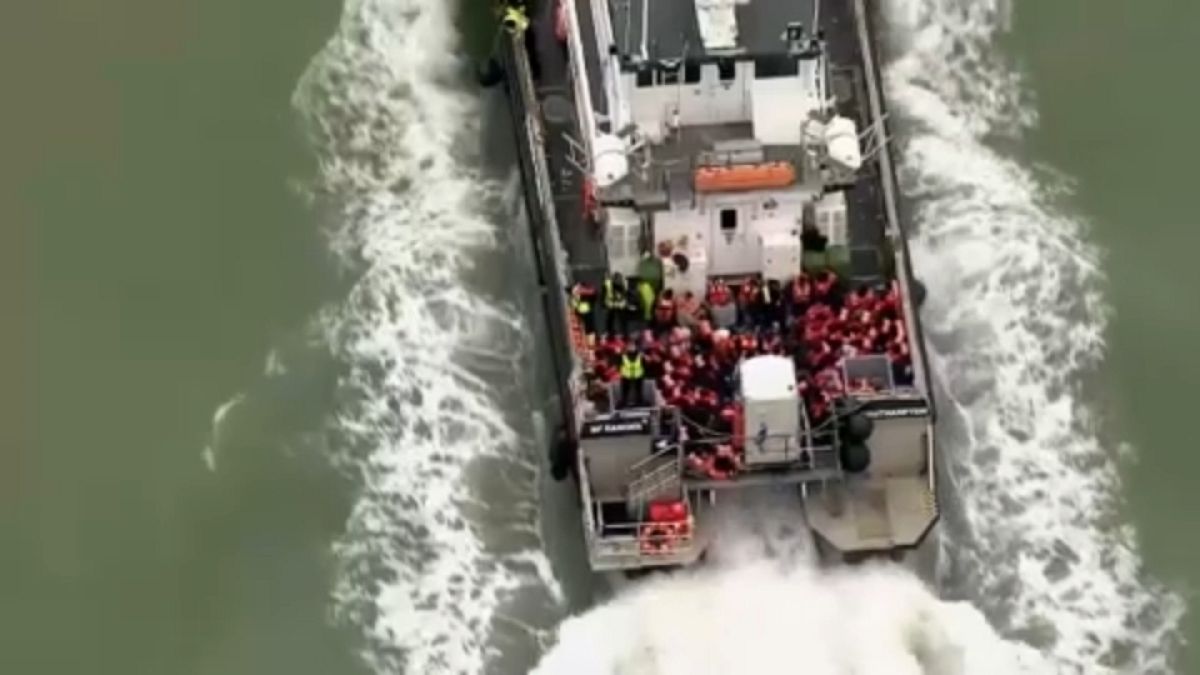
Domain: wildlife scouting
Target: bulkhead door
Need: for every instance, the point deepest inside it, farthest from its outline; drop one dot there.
(735, 246)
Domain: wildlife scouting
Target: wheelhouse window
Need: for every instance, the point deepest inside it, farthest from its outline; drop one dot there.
(728, 220)
(775, 66)
(691, 73)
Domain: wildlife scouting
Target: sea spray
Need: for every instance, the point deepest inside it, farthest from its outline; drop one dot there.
(762, 605)
(1015, 318)
(425, 561)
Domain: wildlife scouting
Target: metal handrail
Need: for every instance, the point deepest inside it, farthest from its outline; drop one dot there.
(629, 542)
(661, 454)
(651, 481)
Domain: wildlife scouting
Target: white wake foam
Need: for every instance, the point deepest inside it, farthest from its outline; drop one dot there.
(396, 136)
(1016, 318)
(761, 606)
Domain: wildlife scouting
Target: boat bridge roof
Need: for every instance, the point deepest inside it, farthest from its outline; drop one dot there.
(664, 29)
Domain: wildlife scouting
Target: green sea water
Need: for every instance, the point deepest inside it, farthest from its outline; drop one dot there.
(153, 253)
(1116, 101)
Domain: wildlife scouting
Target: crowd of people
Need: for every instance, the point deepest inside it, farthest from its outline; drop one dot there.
(689, 347)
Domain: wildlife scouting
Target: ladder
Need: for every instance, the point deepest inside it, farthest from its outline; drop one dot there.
(655, 474)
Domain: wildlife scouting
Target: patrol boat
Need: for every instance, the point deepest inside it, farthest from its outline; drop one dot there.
(722, 149)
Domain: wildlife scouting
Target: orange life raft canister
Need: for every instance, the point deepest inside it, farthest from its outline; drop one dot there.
(745, 177)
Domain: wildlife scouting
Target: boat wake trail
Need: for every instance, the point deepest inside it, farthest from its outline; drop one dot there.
(762, 606)
(445, 527)
(1016, 321)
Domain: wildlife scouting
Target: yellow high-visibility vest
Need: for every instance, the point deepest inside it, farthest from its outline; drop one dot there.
(580, 305)
(613, 298)
(631, 369)
(515, 20)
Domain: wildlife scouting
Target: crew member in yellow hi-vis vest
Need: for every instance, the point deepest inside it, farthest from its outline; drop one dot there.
(633, 373)
(616, 302)
(514, 19)
(582, 296)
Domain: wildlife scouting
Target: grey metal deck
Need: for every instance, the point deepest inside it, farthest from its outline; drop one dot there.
(664, 29)
(591, 57)
(583, 242)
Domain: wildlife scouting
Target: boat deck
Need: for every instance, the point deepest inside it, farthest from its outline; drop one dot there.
(584, 242)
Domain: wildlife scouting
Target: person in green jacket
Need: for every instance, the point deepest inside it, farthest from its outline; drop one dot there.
(646, 297)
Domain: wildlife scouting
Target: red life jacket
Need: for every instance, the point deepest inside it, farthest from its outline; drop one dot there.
(664, 312)
(747, 292)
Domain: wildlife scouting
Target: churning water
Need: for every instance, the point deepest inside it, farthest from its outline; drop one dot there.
(446, 529)
(1016, 320)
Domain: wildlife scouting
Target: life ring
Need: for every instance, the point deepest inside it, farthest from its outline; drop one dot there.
(727, 453)
(655, 539)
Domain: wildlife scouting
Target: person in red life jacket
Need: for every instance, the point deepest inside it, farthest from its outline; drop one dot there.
(597, 390)
(865, 345)
(739, 428)
(863, 297)
(748, 344)
(771, 304)
(818, 313)
(888, 332)
(801, 294)
(723, 347)
(831, 381)
(817, 407)
(727, 417)
(725, 463)
(653, 359)
(605, 372)
(672, 392)
(889, 304)
(682, 369)
(773, 343)
(872, 299)
(707, 373)
(603, 351)
(747, 301)
(814, 334)
(804, 387)
(699, 463)
(688, 310)
(867, 319)
(823, 286)
(721, 304)
(901, 360)
(704, 335)
(664, 310)
(843, 318)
